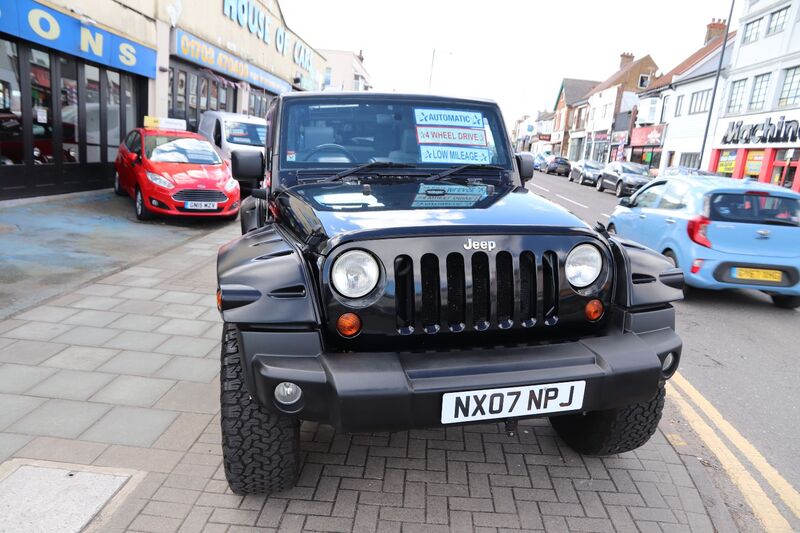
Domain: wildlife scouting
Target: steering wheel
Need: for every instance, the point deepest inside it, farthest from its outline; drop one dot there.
(332, 147)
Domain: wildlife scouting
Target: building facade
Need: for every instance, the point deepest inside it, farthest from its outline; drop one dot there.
(77, 75)
(345, 71)
(757, 132)
(571, 92)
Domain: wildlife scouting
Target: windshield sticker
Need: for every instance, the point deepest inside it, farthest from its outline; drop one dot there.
(455, 154)
(444, 196)
(448, 117)
(290, 155)
(451, 135)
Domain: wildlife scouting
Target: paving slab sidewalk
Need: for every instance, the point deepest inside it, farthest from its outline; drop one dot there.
(123, 373)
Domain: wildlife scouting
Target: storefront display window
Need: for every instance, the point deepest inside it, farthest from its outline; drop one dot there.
(203, 94)
(784, 168)
(42, 107)
(169, 92)
(112, 115)
(92, 107)
(69, 110)
(130, 103)
(646, 156)
(752, 166)
(191, 116)
(180, 96)
(727, 162)
(11, 151)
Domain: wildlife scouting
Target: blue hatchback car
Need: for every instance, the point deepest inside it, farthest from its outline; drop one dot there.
(723, 233)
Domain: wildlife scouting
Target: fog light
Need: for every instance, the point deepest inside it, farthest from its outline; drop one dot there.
(668, 360)
(153, 202)
(594, 310)
(348, 325)
(287, 393)
(697, 264)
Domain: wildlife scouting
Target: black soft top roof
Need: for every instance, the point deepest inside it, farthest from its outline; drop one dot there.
(362, 95)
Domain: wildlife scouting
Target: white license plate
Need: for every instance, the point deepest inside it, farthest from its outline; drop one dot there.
(512, 402)
(200, 205)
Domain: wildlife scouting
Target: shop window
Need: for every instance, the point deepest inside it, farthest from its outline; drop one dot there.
(203, 94)
(691, 160)
(112, 114)
(69, 110)
(784, 168)
(130, 103)
(212, 95)
(11, 151)
(180, 95)
(191, 116)
(223, 97)
(92, 107)
(753, 162)
(790, 92)
(170, 90)
(751, 31)
(759, 95)
(736, 96)
(252, 107)
(777, 21)
(727, 162)
(42, 107)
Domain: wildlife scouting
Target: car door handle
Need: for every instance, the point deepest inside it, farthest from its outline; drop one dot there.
(669, 220)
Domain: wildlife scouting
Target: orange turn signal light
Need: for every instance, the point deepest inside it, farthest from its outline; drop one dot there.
(594, 310)
(348, 325)
(219, 300)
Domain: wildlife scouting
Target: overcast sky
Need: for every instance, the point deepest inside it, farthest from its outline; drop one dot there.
(514, 52)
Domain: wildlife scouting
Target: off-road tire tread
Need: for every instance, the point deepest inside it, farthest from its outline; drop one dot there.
(261, 450)
(612, 431)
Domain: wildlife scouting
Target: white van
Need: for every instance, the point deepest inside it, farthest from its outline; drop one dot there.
(233, 132)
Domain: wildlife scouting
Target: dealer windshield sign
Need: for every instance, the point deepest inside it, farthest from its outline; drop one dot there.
(782, 131)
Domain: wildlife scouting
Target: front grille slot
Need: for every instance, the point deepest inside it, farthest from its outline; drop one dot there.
(430, 293)
(481, 301)
(550, 287)
(404, 293)
(476, 291)
(200, 195)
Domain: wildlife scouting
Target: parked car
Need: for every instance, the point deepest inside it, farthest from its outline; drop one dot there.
(623, 178)
(332, 291)
(538, 162)
(555, 164)
(686, 171)
(585, 171)
(723, 233)
(232, 131)
(172, 172)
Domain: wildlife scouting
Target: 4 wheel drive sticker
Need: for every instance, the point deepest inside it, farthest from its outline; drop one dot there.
(455, 154)
(512, 402)
(451, 135)
(448, 117)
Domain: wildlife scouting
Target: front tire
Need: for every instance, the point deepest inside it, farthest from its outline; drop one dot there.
(139, 206)
(260, 450)
(620, 192)
(785, 302)
(599, 185)
(611, 431)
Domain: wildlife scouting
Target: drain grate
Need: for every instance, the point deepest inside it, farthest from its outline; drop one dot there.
(54, 500)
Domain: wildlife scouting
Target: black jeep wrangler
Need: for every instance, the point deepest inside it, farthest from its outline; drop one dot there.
(394, 272)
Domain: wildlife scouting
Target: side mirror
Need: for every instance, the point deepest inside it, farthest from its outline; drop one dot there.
(525, 166)
(133, 157)
(625, 201)
(246, 165)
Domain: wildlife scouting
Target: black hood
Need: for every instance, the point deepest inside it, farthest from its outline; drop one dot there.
(335, 213)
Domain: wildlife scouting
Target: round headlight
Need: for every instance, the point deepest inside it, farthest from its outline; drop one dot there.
(583, 265)
(355, 274)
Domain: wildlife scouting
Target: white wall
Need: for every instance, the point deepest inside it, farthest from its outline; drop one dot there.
(596, 102)
(685, 132)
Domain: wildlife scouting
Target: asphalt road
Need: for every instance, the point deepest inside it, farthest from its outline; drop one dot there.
(740, 352)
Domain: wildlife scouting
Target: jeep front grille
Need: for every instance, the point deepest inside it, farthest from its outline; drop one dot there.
(475, 291)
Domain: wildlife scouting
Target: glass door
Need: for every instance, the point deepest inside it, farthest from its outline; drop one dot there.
(784, 169)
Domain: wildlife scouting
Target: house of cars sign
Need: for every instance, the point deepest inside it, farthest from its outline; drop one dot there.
(767, 131)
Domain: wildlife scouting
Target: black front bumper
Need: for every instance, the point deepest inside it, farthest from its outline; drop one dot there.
(390, 390)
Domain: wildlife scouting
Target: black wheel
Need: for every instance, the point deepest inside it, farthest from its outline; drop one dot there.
(581, 180)
(612, 431)
(599, 184)
(785, 302)
(117, 189)
(612, 229)
(569, 176)
(260, 450)
(619, 191)
(139, 206)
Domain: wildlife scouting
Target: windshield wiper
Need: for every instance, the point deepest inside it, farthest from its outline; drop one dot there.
(365, 166)
(461, 168)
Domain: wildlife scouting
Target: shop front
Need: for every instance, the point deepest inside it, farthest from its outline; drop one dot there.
(576, 143)
(69, 91)
(618, 141)
(646, 145)
(597, 145)
(765, 147)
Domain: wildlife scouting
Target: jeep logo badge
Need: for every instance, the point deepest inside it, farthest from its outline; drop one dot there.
(480, 245)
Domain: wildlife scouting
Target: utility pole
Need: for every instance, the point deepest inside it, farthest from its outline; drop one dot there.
(716, 83)
(430, 76)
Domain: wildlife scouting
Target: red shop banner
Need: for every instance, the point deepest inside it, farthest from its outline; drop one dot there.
(648, 135)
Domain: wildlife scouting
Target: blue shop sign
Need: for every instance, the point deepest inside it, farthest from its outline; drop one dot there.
(187, 46)
(42, 25)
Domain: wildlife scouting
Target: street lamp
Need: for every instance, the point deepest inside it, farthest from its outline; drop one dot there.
(716, 82)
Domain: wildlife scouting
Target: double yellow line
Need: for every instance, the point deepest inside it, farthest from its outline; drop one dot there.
(684, 394)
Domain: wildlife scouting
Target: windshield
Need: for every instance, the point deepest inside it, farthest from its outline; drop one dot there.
(755, 209)
(338, 134)
(173, 149)
(244, 133)
(633, 168)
